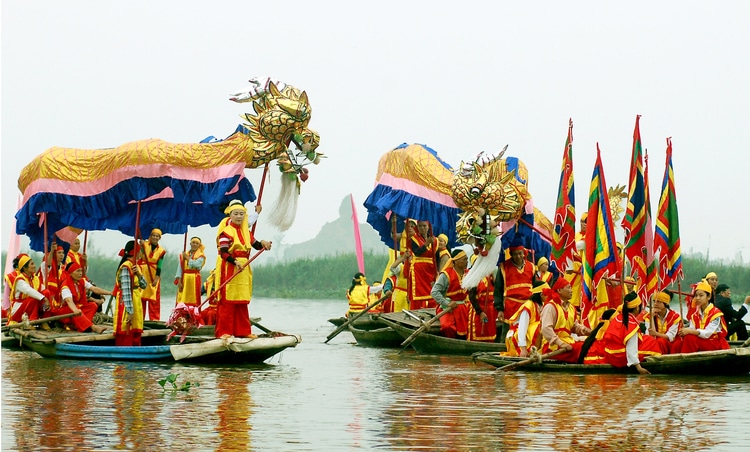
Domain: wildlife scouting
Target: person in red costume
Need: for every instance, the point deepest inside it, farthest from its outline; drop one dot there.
(622, 343)
(73, 292)
(707, 329)
(450, 296)
(235, 279)
(560, 329)
(423, 266)
(26, 289)
(513, 285)
(482, 328)
(666, 324)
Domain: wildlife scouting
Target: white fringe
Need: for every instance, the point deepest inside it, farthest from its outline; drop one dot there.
(283, 213)
(483, 266)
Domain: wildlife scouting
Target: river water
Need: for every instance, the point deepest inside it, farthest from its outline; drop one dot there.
(340, 396)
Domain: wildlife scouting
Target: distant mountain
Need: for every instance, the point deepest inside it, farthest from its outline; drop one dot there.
(336, 237)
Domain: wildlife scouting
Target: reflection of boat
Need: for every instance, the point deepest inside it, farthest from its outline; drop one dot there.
(430, 342)
(735, 361)
(155, 346)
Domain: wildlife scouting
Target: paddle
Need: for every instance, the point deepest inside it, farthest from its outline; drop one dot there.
(40, 321)
(262, 328)
(532, 359)
(237, 272)
(746, 343)
(422, 329)
(359, 314)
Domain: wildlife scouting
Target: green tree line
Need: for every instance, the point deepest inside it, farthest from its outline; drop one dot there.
(329, 277)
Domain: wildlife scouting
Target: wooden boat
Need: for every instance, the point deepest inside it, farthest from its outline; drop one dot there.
(735, 361)
(155, 347)
(385, 336)
(430, 342)
(367, 322)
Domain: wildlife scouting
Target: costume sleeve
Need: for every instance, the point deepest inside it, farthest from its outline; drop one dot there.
(388, 286)
(23, 287)
(126, 290)
(65, 293)
(439, 289)
(252, 217)
(710, 329)
(523, 328)
(474, 302)
(159, 264)
(196, 264)
(498, 293)
(631, 350)
(672, 331)
(224, 253)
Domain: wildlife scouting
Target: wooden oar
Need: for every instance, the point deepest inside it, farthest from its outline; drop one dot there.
(264, 329)
(40, 321)
(746, 343)
(426, 325)
(531, 360)
(359, 314)
(237, 272)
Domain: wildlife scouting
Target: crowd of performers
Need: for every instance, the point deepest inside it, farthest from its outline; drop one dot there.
(222, 300)
(526, 305)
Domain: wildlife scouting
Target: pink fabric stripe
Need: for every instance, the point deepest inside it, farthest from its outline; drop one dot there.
(415, 189)
(108, 181)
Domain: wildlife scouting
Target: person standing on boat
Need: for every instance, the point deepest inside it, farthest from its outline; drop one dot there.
(234, 241)
(74, 255)
(26, 288)
(359, 293)
(734, 319)
(443, 255)
(666, 324)
(560, 328)
(128, 311)
(450, 296)
(707, 329)
(542, 265)
(393, 272)
(482, 301)
(423, 246)
(73, 294)
(150, 263)
(513, 285)
(55, 273)
(525, 324)
(188, 277)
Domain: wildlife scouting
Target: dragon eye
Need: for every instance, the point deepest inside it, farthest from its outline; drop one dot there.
(475, 191)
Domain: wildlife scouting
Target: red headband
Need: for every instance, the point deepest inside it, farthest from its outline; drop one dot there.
(73, 266)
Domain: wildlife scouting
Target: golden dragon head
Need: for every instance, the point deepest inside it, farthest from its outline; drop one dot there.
(282, 114)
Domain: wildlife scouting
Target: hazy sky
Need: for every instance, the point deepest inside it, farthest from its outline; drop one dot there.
(459, 77)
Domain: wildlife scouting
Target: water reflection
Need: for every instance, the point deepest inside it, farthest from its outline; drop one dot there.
(339, 396)
(234, 410)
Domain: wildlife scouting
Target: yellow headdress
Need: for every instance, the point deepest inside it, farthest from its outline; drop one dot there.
(540, 288)
(542, 260)
(443, 237)
(156, 231)
(704, 286)
(711, 275)
(23, 259)
(235, 204)
(635, 302)
(662, 296)
(458, 255)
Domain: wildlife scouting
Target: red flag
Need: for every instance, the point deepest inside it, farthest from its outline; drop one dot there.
(564, 231)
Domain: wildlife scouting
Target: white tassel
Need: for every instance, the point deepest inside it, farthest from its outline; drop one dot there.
(283, 213)
(483, 266)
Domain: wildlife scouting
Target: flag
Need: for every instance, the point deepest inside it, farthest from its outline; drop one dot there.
(564, 232)
(667, 234)
(357, 238)
(634, 221)
(646, 265)
(600, 254)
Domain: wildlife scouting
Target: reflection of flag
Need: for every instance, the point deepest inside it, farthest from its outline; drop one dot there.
(634, 222)
(600, 258)
(563, 234)
(667, 235)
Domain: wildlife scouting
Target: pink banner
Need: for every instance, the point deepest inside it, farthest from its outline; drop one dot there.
(357, 238)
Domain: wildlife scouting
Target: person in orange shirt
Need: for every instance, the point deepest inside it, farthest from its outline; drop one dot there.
(560, 328)
(525, 325)
(450, 296)
(666, 324)
(513, 285)
(423, 266)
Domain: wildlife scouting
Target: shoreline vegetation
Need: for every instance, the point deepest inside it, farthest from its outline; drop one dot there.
(328, 277)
